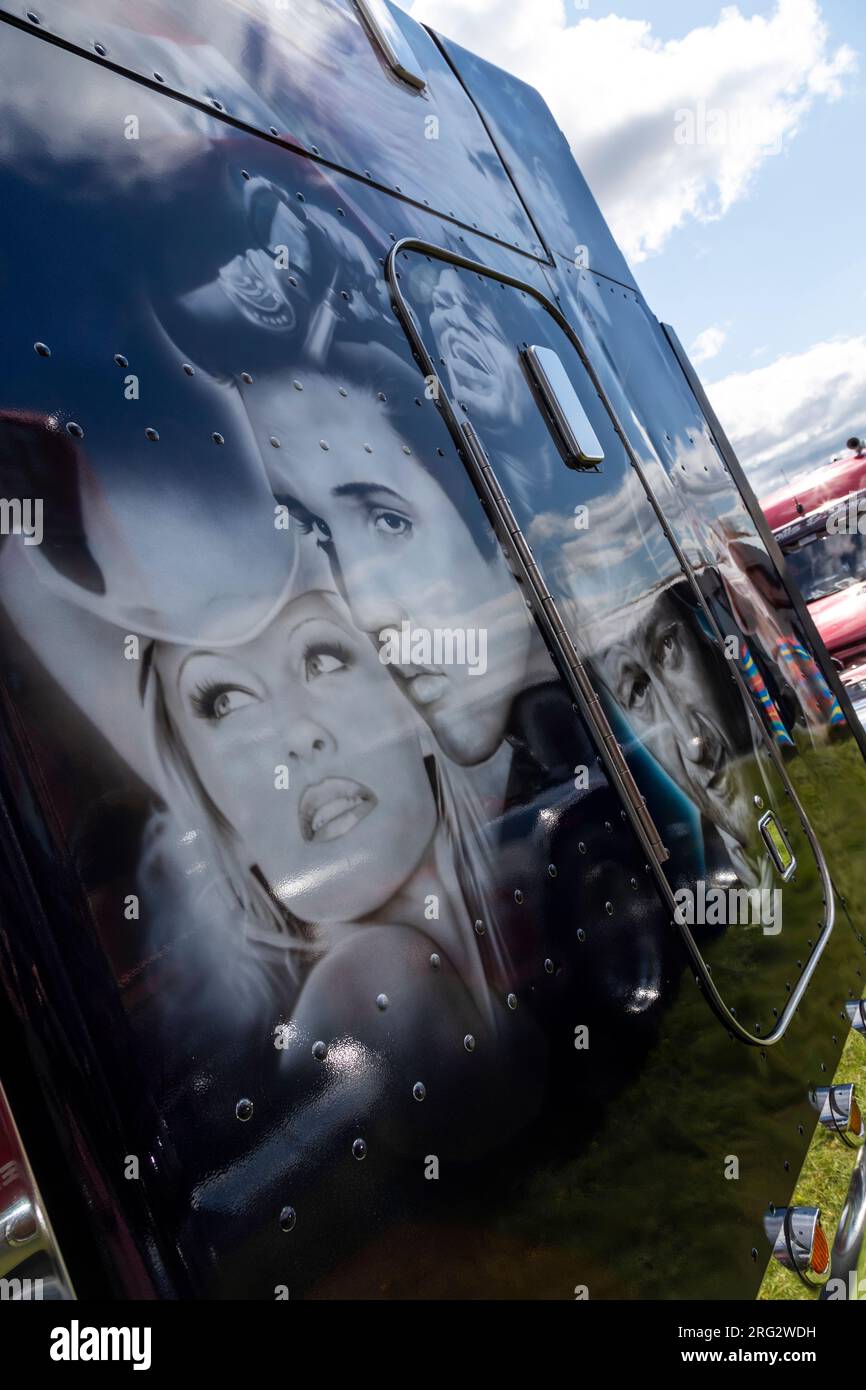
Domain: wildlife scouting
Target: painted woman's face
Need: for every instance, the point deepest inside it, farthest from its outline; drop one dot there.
(310, 698)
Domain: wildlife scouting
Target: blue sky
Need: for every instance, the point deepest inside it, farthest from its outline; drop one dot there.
(788, 263)
(758, 259)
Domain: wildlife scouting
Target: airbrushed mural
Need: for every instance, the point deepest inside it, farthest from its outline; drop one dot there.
(347, 845)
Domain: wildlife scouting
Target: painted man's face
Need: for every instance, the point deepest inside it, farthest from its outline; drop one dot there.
(483, 369)
(404, 555)
(663, 675)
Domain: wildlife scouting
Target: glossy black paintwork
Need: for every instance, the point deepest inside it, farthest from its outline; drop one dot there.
(308, 72)
(602, 1167)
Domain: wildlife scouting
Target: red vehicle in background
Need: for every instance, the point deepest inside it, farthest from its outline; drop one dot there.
(813, 491)
(820, 525)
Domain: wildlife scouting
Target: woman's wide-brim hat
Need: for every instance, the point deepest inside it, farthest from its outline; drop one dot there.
(194, 553)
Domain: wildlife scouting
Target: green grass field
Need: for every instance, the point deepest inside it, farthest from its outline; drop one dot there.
(824, 1178)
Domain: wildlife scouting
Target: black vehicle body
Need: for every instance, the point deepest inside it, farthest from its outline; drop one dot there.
(276, 284)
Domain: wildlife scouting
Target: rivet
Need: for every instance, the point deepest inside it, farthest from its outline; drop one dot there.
(159, 77)
(469, 1043)
(608, 826)
(340, 212)
(608, 907)
(42, 349)
(344, 294)
(518, 896)
(244, 1109)
(300, 197)
(121, 360)
(75, 430)
(511, 1001)
(368, 448)
(151, 434)
(297, 385)
(548, 965)
(320, 1051)
(33, 17)
(273, 130)
(359, 1149)
(245, 173)
(759, 802)
(551, 869)
(323, 444)
(245, 377)
(293, 282)
(633, 882)
(435, 960)
(406, 449)
(190, 371)
(419, 1090)
(287, 1219)
(382, 1002)
(314, 149)
(343, 391)
(581, 934)
(275, 443)
(581, 847)
(217, 437)
(216, 104)
(754, 1253)
(381, 396)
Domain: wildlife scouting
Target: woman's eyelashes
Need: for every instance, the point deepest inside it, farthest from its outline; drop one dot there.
(215, 700)
(325, 659)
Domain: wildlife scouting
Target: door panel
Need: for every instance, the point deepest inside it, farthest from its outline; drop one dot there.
(652, 621)
(678, 452)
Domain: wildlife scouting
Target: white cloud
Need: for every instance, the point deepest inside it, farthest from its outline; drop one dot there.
(620, 95)
(797, 412)
(708, 344)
